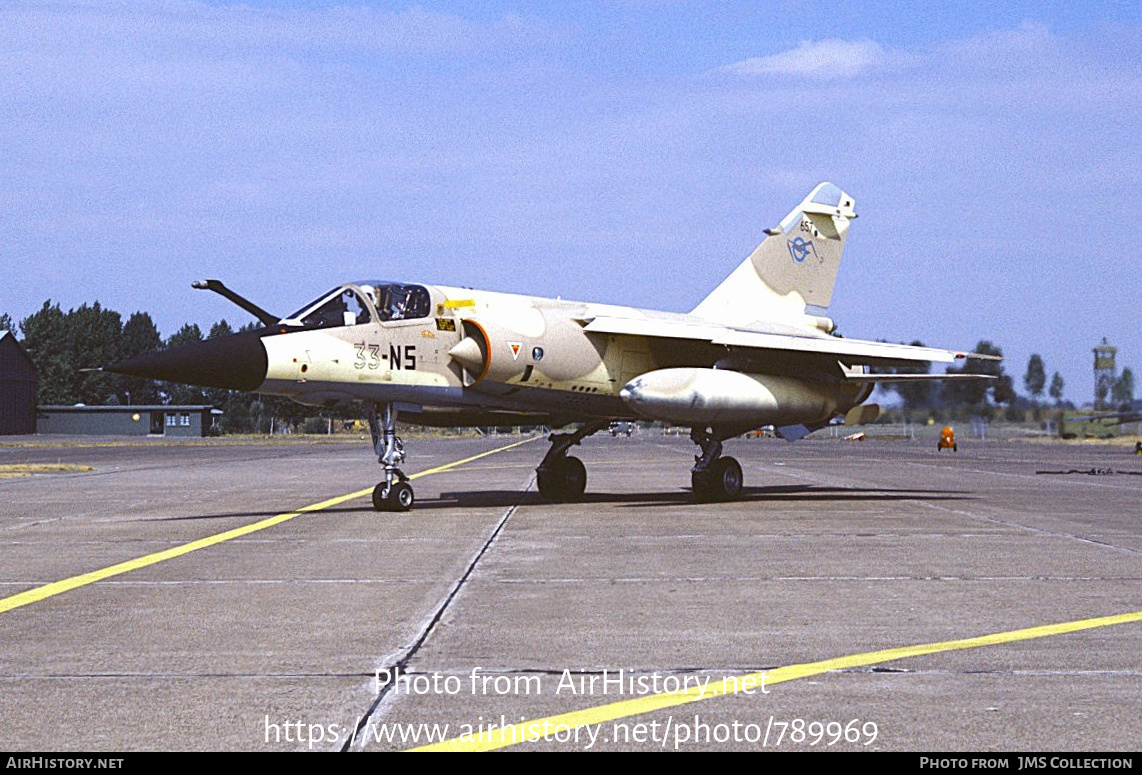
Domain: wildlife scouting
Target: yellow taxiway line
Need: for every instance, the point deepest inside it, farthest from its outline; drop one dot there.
(59, 587)
(534, 730)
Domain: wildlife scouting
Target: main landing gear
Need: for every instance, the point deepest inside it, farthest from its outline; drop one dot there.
(394, 493)
(714, 478)
(562, 478)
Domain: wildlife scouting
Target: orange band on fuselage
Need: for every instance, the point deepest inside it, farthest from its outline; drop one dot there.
(487, 349)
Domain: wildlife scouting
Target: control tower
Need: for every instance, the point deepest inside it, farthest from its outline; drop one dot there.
(1105, 373)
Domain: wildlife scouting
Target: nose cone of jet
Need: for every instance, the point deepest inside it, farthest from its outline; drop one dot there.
(235, 362)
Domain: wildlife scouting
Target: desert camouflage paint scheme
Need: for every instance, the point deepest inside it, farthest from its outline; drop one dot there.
(751, 354)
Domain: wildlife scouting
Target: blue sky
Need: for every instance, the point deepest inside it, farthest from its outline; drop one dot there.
(628, 152)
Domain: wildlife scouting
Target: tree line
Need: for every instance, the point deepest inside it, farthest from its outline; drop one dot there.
(996, 397)
(66, 347)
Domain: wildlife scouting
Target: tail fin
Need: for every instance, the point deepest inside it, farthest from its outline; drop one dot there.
(795, 265)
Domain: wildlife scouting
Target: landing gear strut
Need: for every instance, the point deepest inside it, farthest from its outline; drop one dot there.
(394, 493)
(714, 478)
(561, 478)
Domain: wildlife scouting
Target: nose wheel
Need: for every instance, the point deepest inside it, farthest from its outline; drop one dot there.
(399, 497)
(394, 493)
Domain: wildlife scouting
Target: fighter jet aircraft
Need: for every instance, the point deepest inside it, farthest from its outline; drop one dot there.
(752, 353)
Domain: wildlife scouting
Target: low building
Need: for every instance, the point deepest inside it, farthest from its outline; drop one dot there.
(149, 420)
(17, 388)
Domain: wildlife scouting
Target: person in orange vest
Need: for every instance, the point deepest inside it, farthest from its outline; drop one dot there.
(948, 439)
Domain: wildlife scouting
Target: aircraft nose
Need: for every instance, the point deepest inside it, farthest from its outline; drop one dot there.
(236, 362)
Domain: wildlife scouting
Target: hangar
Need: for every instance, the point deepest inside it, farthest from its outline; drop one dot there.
(195, 420)
(17, 388)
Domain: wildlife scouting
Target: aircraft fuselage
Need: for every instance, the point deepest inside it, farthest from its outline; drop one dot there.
(480, 354)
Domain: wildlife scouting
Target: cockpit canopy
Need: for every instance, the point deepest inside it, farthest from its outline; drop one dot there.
(395, 301)
(358, 303)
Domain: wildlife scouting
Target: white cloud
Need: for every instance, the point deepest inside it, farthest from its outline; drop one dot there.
(1028, 44)
(823, 59)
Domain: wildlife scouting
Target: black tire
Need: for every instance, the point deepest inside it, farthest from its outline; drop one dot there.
(545, 481)
(379, 503)
(722, 481)
(574, 477)
(564, 480)
(401, 497)
(726, 479)
(700, 484)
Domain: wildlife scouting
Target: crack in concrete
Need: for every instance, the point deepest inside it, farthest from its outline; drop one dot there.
(402, 663)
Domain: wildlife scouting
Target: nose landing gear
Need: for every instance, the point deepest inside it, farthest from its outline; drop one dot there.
(394, 493)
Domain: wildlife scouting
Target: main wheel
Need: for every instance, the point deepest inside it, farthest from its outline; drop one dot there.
(726, 479)
(722, 481)
(401, 497)
(700, 484)
(574, 476)
(564, 480)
